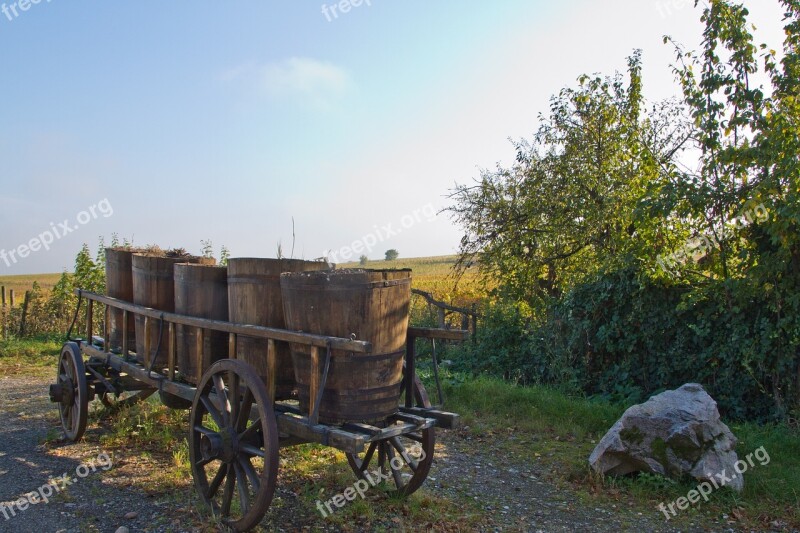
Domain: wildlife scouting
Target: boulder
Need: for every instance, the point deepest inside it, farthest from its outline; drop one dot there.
(675, 433)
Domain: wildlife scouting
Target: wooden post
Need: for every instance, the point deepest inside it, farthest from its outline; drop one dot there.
(232, 340)
(146, 355)
(106, 328)
(11, 297)
(171, 353)
(203, 356)
(3, 317)
(441, 318)
(89, 320)
(24, 317)
(272, 372)
(411, 355)
(125, 334)
(313, 386)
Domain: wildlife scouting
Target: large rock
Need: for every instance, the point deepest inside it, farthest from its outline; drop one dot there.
(674, 433)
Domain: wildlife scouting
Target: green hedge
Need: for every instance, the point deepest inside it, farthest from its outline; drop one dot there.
(625, 339)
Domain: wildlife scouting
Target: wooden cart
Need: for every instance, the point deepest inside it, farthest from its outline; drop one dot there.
(236, 426)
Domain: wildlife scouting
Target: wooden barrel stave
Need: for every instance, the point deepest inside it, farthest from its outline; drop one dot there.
(254, 297)
(200, 291)
(371, 305)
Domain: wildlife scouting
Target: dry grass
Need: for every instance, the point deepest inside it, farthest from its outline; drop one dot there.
(20, 284)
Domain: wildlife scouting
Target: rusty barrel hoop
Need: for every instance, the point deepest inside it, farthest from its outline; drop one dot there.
(371, 305)
(200, 291)
(254, 297)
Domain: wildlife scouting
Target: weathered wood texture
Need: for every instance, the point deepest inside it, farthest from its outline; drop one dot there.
(371, 305)
(154, 286)
(119, 284)
(254, 297)
(201, 291)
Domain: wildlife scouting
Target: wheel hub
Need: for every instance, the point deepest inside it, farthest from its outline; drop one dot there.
(222, 446)
(63, 392)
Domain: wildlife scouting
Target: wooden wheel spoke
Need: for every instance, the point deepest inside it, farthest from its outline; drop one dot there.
(212, 410)
(204, 430)
(368, 456)
(227, 495)
(203, 462)
(249, 433)
(222, 394)
(250, 450)
(241, 485)
(398, 479)
(213, 487)
(234, 398)
(246, 408)
(414, 465)
(382, 456)
(252, 476)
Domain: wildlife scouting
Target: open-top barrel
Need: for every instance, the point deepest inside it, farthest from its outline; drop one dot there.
(119, 284)
(154, 286)
(254, 297)
(200, 291)
(368, 305)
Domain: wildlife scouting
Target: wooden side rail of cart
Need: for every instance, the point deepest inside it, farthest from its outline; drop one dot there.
(304, 427)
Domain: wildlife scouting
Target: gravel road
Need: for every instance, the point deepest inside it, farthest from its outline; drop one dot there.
(512, 497)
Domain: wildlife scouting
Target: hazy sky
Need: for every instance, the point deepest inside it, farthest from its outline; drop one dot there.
(181, 121)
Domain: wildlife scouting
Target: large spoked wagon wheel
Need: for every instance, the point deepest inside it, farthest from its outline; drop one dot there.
(71, 392)
(233, 443)
(406, 459)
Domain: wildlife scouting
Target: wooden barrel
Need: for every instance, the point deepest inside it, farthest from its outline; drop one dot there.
(254, 297)
(119, 284)
(154, 286)
(200, 291)
(371, 305)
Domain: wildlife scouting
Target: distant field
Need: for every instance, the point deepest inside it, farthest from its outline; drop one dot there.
(432, 274)
(20, 284)
(435, 275)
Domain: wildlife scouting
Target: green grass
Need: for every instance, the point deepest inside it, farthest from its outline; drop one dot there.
(34, 356)
(559, 432)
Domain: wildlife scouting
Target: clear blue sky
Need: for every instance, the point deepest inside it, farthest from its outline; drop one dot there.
(199, 120)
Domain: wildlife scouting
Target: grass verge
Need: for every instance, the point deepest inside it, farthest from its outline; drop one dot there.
(560, 432)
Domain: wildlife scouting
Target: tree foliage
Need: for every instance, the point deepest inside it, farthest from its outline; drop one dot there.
(657, 244)
(567, 207)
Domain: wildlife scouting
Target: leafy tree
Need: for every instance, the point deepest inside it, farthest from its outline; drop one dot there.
(363, 260)
(567, 207)
(89, 275)
(607, 187)
(392, 254)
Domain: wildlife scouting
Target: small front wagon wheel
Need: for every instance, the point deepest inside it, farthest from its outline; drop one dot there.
(405, 460)
(71, 392)
(233, 444)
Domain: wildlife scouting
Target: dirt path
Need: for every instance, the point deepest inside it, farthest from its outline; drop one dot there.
(508, 497)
